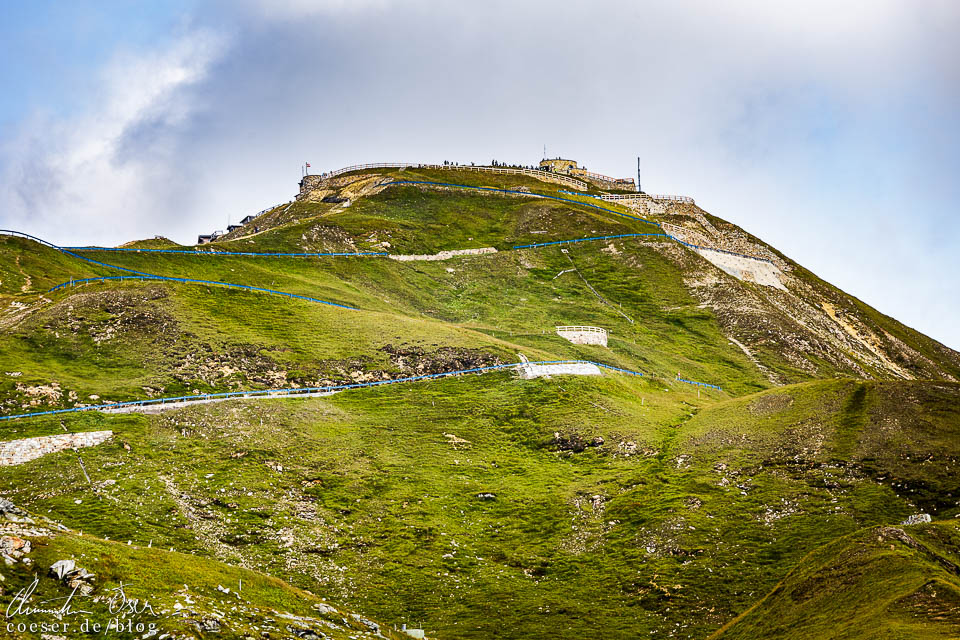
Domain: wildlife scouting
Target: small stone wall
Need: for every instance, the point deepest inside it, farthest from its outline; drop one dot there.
(16, 452)
(310, 183)
(583, 335)
(444, 255)
(530, 371)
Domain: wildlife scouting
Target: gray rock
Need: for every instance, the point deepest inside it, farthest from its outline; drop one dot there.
(324, 608)
(918, 518)
(369, 624)
(208, 625)
(13, 513)
(62, 568)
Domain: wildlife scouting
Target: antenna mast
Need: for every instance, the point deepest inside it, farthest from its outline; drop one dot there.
(639, 190)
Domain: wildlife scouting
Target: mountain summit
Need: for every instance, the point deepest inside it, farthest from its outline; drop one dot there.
(473, 402)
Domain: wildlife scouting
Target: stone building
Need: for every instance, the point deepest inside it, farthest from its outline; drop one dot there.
(570, 168)
(559, 165)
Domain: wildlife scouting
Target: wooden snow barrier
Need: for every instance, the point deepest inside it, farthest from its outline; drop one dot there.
(583, 334)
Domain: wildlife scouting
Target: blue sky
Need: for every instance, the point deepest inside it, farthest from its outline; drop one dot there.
(830, 130)
(50, 48)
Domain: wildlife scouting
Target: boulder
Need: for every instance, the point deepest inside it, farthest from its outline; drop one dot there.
(917, 518)
(62, 568)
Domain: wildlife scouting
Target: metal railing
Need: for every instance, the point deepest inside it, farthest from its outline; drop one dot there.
(524, 193)
(213, 252)
(152, 276)
(584, 204)
(228, 285)
(612, 197)
(300, 391)
(699, 384)
(536, 173)
(373, 165)
(622, 235)
(729, 253)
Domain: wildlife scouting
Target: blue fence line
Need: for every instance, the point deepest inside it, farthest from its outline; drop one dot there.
(70, 253)
(302, 390)
(11, 232)
(524, 193)
(208, 282)
(732, 253)
(229, 253)
(608, 366)
(585, 204)
(700, 384)
(328, 389)
(152, 276)
(622, 235)
(577, 193)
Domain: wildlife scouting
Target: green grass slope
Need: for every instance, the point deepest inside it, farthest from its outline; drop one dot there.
(485, 506)
(142, 591)
(491, 506)
(28, 268)
(883, 582)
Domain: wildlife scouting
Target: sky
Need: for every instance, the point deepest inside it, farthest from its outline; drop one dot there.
(829, 129)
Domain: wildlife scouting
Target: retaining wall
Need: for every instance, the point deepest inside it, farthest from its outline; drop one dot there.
(444, 255)
(584, 335)
(17, 452)
(529, 370)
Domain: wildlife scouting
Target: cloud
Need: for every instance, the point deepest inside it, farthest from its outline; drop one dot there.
(106, 171)
(292, 10)
(830, 130)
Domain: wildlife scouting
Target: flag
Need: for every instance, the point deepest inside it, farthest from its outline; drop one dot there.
(308, 165)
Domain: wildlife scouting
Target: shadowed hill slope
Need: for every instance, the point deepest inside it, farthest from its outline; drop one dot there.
(143, 591)
(911, 576)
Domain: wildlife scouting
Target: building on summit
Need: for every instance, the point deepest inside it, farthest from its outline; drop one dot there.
(570, 168)
(558, 165)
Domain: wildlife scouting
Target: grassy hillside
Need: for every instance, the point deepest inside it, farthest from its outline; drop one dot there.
(486, 505)
(910, 575)
(139, 591)
(451, 500)
(28, 268)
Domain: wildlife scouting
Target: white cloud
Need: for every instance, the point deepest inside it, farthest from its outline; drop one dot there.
(284, 10)
(103, 170)
(830, 130)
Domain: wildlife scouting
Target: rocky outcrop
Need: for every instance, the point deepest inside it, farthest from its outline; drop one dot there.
(746, 269)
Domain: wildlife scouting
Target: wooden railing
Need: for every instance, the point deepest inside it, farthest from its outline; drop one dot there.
(638, 196)
(602, 178)
(582, 329)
